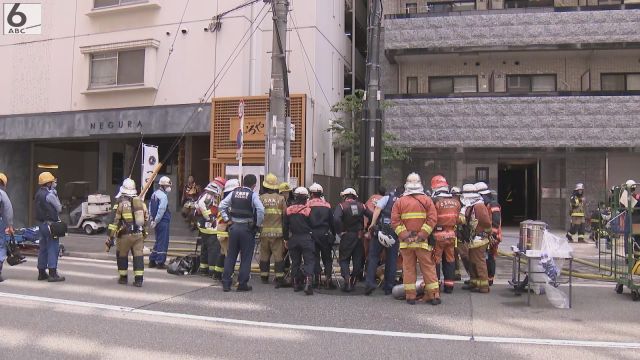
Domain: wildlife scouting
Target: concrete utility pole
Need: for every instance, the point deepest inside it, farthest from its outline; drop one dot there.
(278, 136)
(371, 127)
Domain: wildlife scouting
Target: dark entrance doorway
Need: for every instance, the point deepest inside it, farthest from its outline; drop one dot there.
(517, 189)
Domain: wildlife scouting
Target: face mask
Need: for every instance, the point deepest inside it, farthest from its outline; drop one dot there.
(54, 185)
(168, 189)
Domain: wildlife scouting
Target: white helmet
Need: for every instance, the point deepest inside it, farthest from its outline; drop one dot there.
(630, 182)
(349, 191)
(128, 187)
(413, 184)
(316, 188)
(455, 190)
(579, 186)
(164, 181)
(385, 240)
(231, 185)
(482, 188)
(301, 192)
(213, 187)
(469, 189)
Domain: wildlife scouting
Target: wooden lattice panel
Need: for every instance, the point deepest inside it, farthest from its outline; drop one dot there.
(223, 149)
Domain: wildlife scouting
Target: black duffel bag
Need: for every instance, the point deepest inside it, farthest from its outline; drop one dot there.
(14, 257)
(184, 265)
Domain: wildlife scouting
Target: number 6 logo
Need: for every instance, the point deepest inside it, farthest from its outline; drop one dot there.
(20, 18)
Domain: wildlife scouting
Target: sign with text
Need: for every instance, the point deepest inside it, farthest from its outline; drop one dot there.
(22, 19)
(254, 128)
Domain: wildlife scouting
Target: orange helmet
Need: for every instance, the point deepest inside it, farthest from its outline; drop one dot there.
(220, 181)
(438, 181)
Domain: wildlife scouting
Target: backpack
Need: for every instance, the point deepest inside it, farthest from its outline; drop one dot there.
(184, 265)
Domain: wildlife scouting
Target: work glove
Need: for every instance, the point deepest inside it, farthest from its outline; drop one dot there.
(152, 224)
(108, 244)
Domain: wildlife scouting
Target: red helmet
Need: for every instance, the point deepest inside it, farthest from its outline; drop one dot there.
(220, 181)
(438, 181)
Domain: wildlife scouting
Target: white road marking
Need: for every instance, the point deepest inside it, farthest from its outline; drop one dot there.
(414, 335)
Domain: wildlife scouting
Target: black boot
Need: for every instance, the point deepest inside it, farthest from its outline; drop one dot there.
(42, 275)
(347, 287)
(203, 271)
(54, 277)
(123, 280)
(217, 275)
(308, 286)
(137, 282)
(297, 285)
(280, 283)
(265, 279)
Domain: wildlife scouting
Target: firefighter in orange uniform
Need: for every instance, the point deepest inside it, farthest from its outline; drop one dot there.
(413, 218)
(495, 212)
(476, 233)
(445, 234)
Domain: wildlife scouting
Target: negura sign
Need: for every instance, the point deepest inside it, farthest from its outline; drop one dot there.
(110, 125)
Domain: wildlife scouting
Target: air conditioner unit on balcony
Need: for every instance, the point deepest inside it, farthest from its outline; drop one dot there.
(483, 83)
(499, 82)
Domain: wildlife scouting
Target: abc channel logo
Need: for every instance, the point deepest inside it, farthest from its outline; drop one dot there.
(22, 19)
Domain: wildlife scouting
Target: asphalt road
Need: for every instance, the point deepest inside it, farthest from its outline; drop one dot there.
(91, 317)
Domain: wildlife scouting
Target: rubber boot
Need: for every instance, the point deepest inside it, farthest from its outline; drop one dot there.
(280, 283)
(123, 280)
(54, 277)
(264, 271)
(316, 281)
(42, 275)
(297, 285)
(217, 275)
(203, 271)
(137, 282)
(347, 287)
(308, 286)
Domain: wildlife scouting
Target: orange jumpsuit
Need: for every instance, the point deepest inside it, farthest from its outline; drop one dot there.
(445, 236)
(413, 217)
(478, 217)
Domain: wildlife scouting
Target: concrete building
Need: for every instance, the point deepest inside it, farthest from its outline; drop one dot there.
(106, 74)
(530, 96)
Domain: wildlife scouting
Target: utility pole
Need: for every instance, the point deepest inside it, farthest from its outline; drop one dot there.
(371, 127)
(278, 135)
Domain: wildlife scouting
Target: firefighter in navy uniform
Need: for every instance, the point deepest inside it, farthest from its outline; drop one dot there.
(245, 211)
(348, 219)
(323, 234)
(271, 240)
(477, 225)
(577, 201)
(129, 227)
(222, 235)
(297, 236)
(206, 214)
(444, 233)
(495, 212)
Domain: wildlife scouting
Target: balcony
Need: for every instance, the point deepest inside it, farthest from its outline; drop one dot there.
(512, 30)
(557, 119)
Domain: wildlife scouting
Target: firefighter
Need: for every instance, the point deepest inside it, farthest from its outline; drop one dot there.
(221, 231)
(271, 239)
(323, 234)
(161, 220)
(384, 239)
(444, 233)
(245, 211)
(348, 218)
(6, 220)
(370, 204)
(206, 214)
(298, 239)
(285, 190)
(476, 231)
(490, 198)
(47, 207)
(455, 193)
(576, 202)
(413, 218)
(128, 226)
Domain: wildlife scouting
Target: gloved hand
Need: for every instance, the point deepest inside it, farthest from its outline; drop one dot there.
(152, 224)
(9, 230)
(108, 244)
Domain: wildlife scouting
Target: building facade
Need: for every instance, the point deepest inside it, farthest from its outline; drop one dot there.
(106, 75)
(530, 96)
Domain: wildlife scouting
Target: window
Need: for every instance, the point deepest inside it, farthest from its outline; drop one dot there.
(482, 174)
(531, 83)
(117, 68)
(117, 168)
(619, 82)
(108, 3)
(453, 84)
(412, 85)
(411, 8)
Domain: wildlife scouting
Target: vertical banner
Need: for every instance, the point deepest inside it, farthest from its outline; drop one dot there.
(149, 162)
(240, 140)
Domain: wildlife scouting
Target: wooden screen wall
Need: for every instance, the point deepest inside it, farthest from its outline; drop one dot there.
(223, 150)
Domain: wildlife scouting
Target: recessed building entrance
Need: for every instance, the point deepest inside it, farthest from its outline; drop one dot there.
(518, 191)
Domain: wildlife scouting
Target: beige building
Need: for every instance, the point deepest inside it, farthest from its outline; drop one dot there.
(530, 96)
(105, 74)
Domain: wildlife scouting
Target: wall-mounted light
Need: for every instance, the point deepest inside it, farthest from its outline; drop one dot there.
(48, 166)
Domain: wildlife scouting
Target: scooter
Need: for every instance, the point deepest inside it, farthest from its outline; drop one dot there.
(90, 216)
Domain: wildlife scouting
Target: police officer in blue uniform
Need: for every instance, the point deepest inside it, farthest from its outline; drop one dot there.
(48, 207)
(161, 220)
(245, 212)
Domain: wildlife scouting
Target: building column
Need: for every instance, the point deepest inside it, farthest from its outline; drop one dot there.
(16, 163)
(103, 165)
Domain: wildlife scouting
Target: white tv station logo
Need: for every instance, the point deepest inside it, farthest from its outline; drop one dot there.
(22, 18)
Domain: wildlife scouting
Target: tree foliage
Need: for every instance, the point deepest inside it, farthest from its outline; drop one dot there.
(351, 108)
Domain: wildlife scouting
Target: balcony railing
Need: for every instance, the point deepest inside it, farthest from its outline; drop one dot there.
(511, 94)
(467, 7)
